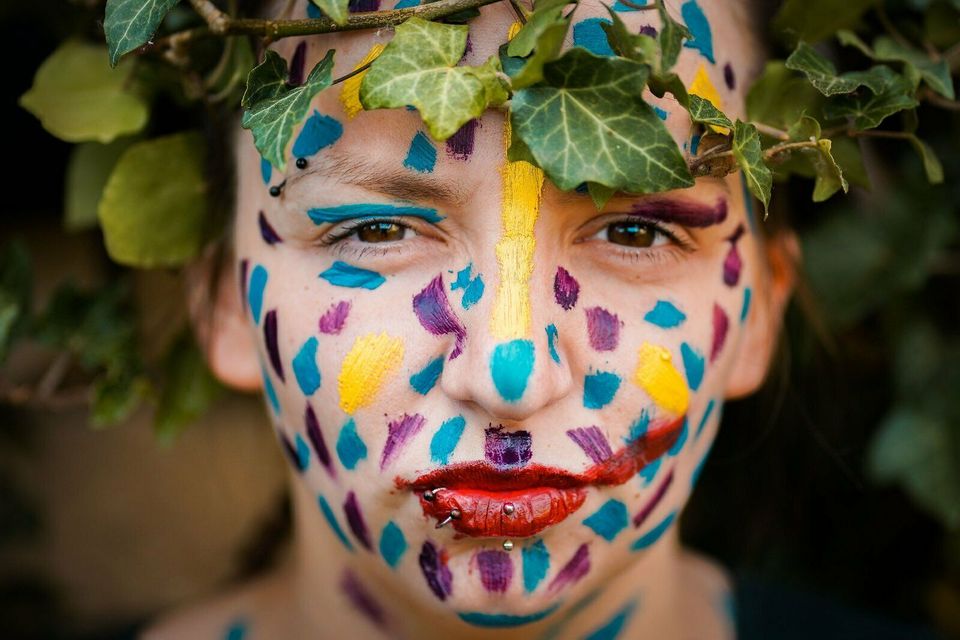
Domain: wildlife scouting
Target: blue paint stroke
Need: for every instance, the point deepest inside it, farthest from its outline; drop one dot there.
(665, 315)
(319, 215)
(699, 468)
(654, 534)
(612, 629)
(745, 309)
(552, 342)
(425, 379)
(313, 11)
(303, 452)
(599, 389)
(638, 428)
(445, 440)
(511, 365)
(706, 416)
(649, 472)
(483, 619)
(403, 4)
(305, 367)
(266, 170)
(318, 132)
(623, 8)
(422, 155)
(258, 282)
(590, 35)
(393, 544)
(536, 563)
(350, 448)
(681, 439)
(237, 630)
(268, 389)
(609, 520)
(472, 287)
(696, 22)
(694, 143)
(693, 362)
(341, 274)
(332, 521)
(662, 114)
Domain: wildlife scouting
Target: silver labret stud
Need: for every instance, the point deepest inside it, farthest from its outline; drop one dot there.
(508, 508)
(444, 521)
(453, 515)
(508, 545)
(430, 494)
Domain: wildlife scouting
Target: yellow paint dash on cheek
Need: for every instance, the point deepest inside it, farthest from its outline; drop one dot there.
(522, 183)
(703, 87)
(350, 93)
(657, 376)
(370, 362)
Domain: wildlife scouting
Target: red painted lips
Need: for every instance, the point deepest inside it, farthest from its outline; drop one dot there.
(480, 500)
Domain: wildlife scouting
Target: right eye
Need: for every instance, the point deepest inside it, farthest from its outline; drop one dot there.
(380, 231)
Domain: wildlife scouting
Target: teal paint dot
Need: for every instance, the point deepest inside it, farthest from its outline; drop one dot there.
(445, 440)
(511, 365)
(266, 170)
(422, 155)
(745, 309)
(305, 367)
(472, 287)
(341, 274)
(609, 520)
(612, 629)
(332, 521)
(258, 282)
(318, 131)
(599, 389)
(536, 563)
(303, 452)
(639, 427)
(552, 342)
(350, 447)
(237, 630)
(665, 315)
(590, 35)
(646, 540)
(393, 544)
(269, 391)
(693, 362)
(425, 379)
(660, 113)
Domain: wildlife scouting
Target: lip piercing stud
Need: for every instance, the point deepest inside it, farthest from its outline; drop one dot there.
(508, 545)
(430, 494)
(453, 515)
(508, 508)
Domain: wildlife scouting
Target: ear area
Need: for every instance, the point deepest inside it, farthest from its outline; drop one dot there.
(220, 321)
(764, 321)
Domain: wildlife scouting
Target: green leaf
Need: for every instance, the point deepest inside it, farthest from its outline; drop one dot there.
(588, 123)
(814, 20)
(547, 49)
(88, 169)
(703, 111)
(127, 24)
(188, 390)
(749, 156)
(779, 98)
(671, 37)
(16, 290)
(167, 227)
(935, 73)
(830, 177)
(490, 74)
(823, 75)
(275, 110)
(931, 163)
(636, 46)
(418, 68)
(670, 83)
(337, 10)
(79, 98)
(850, 39)
(116, 395)
(230, 75)
(599, 194)
(869, 110)
(527, 39)
(846, 152)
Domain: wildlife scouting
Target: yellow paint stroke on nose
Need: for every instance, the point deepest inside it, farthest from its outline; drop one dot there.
(371, 360)
(703, 87)
(657, 376)
(350, 93)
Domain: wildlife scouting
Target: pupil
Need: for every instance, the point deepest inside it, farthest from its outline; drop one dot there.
(631, 234)
(380, 232)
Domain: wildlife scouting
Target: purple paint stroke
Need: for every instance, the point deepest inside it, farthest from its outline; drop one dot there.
(603, 328)
(244, 267)
(576, 568)
(566, 289)
(435, 571)
(333, 320)
(721, 324)
(433, 310)
(648, 30)
(506, 449)
(267, 232)
(728, 77)
(271, 340)
(496, 570)
(733, 264)
(316, 439)
(648, 508)
(460, 144)
(398, 432)
(290, 451)
(362, 599)
(296, 65)
(592, 441)
(688, 213)
(351, 508)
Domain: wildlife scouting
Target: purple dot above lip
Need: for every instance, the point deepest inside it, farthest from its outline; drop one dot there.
(507, 449)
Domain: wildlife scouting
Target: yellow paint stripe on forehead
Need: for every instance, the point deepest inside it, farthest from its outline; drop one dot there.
(369, 363)
(703, 87)
(656, 375)
(350, 93)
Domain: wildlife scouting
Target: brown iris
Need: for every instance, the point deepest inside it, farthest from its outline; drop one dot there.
(381, 232)
(631, 234)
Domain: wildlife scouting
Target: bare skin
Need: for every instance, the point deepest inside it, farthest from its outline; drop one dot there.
(705, 297)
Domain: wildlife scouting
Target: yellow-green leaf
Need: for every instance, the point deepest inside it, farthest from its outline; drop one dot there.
(88, 169)
(749, 155)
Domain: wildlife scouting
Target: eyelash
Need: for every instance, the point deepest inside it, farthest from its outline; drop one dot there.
(336, 237)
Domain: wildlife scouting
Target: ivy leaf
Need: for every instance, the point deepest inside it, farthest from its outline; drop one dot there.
(935, 74)
(869, 110)
(779, 98)
(814, 20)
(702, 110)
(547, 49)
(127, 24)
(588, 123)
(830, 177)
(188, 390)
(165, 229)
(418, 68)
(600, 194)
(16, 289)
(337, 10)
(489, 73)
(548, 13)
(931, 163)
(116, 395)
(671, 37)
(79, 98)
(635, 46)
(274, 110)
(823, 75)
(749, 156)
(88, 169)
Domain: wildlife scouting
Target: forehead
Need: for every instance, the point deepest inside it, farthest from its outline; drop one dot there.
(715, 64)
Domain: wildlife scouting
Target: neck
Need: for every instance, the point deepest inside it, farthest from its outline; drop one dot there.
(653, 597)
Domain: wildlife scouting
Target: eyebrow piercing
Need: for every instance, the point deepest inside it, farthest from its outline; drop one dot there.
(508, 545)
(277, 188)
(301, 163)
(453, 515)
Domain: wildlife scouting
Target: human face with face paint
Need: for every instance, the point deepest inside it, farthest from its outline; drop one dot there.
(495, 400)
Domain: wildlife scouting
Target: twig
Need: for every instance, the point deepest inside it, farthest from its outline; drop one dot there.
(938, 100)
(517, 9)
(53, 376)
(217, 20)
(356, 71)
(773, 132)
(892, 30)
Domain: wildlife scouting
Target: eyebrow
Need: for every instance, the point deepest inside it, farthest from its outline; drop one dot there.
(403, 185)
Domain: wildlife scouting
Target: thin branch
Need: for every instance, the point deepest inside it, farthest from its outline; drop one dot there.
(773, 132)
(217, 20)
(517, 9)
(938, 100)
(356, 71)
(892, 30)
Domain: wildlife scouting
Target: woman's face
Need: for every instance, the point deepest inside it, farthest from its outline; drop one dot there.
(447, 339)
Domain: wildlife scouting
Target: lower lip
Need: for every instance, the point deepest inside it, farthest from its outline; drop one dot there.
(537, 505)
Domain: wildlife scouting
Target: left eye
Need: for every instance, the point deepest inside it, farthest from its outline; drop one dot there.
(633, 233)
(381, 231)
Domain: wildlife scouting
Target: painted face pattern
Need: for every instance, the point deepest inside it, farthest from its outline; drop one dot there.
(497, 394)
